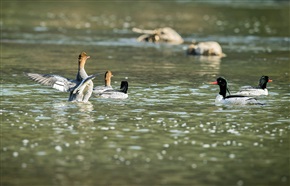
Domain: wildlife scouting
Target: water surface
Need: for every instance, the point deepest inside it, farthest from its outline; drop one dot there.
(169, 131)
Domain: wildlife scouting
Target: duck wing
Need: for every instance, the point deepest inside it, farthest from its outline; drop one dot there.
(101, 89)
(83, 84)
(55, 81)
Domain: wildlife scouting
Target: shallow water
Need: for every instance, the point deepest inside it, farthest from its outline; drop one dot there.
(169, 131)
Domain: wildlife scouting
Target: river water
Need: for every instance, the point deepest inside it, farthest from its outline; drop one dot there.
(169, 131)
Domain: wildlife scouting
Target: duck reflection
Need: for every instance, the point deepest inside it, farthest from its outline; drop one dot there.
(80, 113)
(207, 65)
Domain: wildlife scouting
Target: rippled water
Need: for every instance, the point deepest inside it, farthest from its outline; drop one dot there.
(169, 131)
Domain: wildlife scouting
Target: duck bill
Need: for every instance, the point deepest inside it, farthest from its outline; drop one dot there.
(270, 80)
(214, 83)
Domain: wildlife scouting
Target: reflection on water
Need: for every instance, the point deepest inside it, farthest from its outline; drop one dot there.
(169, 131)
(62, 112)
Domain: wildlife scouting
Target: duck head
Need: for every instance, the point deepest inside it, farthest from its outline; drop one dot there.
(263, 81)
(124, 87)
(83, 58)
(108, 76)
(222, 82)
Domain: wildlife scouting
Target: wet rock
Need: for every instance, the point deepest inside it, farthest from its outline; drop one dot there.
(165, 34)
(209, 48)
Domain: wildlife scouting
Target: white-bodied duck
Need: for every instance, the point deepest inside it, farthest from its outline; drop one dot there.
(260, 90)
(80, 88)
(232, 99)
(107, 86)
(117, 94)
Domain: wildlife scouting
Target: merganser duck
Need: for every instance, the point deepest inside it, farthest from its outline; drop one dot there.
(80, 89)
(232, 99)
(209, 48)
(107, 86)
(116, 94)
(256, 91)
(165, 34)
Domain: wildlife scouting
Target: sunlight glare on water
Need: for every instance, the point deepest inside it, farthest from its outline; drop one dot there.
(169, 131)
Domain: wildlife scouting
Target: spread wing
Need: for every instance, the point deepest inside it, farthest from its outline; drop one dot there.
(55, 81)
(84, 83)
(101, 89)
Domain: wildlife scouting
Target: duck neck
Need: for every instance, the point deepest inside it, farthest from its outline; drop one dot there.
(223, 91)
(82, 63)
(107, 81)
(262, 85)
(81, 70)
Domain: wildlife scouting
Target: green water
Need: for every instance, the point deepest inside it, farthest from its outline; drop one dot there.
(169, 131)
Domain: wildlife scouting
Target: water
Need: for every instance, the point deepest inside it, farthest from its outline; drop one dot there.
(169, 131)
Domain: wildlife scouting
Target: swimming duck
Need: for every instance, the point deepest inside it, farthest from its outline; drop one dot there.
(117, 94)
(80, 88)
(232, 99)
(107, 86)
(209, 48)
(256, 91)
(166, 34)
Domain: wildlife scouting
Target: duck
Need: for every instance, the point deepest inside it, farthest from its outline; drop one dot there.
(107, 86)
(208, 48)
(260, 90)
(116, 94)
(166, 34)
(231, 99)
(80, 89)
